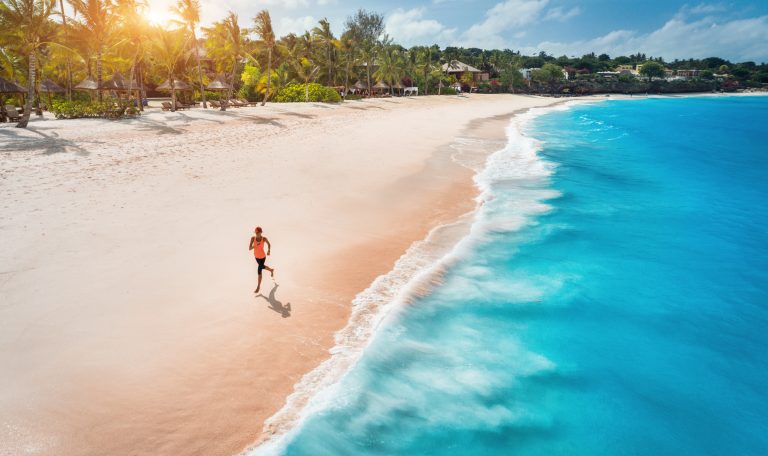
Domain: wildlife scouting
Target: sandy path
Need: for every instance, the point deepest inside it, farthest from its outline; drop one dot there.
(128, 323)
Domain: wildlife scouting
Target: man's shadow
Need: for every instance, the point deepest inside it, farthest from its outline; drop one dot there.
(277, 306)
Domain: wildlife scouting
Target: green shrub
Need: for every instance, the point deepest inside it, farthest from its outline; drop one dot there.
(448, 91)
(293, 93)
(111, 109)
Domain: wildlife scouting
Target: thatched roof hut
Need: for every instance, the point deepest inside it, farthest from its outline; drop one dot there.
(87, 84)
(48, 86)
(381, 85)
(360, 85)
(177, 85)
(7, 86)
(218, 84)
(119, 83)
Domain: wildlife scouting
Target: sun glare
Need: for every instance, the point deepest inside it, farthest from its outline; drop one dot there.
(159, 17)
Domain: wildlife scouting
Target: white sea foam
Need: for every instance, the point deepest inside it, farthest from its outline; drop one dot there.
(517, 163)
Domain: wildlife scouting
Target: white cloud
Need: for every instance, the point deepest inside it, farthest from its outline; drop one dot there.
(297, 25)
(503, 17)
(737, 40)
(290, 4)
(557, 14)
(704, 8)
(411, 28)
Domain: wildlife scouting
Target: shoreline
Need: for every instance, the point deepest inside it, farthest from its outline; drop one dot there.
(179, 363)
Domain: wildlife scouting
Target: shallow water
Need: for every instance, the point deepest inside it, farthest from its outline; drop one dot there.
(611, 299)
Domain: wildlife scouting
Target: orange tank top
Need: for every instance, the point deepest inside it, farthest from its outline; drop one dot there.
(258, 248)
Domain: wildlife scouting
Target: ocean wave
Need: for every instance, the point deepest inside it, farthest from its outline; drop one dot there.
(420, 268)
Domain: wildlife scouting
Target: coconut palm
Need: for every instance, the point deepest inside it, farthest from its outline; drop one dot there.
(135, 32)
(226, 41)
(189, 12)
(97, 25)
(263, 28)
(324, 37)
(348, 47)
(27, 24)
(425, 65)
(169, 52)
(270, 84)
(69, 59)
(390, 66)
(307, 71)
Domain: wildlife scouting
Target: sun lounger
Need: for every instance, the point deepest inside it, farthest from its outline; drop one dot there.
(180, 105)
(214, 104)
(167, 106)
(12, 113)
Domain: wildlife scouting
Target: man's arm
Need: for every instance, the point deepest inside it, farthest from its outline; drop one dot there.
(250, 246)
(269, 246)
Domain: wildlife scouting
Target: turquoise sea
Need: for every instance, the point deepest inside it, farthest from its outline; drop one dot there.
(612, 298)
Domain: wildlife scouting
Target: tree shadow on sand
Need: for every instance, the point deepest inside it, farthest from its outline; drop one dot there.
(274, 304)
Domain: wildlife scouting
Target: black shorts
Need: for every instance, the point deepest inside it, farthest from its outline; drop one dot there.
(261, 264)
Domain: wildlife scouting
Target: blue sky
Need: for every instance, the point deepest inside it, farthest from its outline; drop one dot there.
(736, 30)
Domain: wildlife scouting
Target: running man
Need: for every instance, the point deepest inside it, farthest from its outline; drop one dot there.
(257, 245)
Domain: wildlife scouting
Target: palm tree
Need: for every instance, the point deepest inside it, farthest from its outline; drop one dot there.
(131, 14)
(169, 49)
(225, 41)
(69, 60)
(97, 25)
(263, 28)
(390, 67)
(324, 36)
(307, 71)
(348, 46)
(273, 82)
(28, 24)
(189, 12)
(424, 65)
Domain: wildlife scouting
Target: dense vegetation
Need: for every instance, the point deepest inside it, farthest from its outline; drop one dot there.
(39, 42)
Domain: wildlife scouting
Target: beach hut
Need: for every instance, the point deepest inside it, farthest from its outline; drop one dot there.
(87, 84)
(399, 87)
(219, 85)
(178, 85)
(10, 87)
(49, 87)
(360, 87)
(380, 87)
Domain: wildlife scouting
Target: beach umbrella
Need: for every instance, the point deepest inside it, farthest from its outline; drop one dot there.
(177, 85)
(359, 85)
(49, 87)
(87, 84)
(118, 83)
(7, 86)
(381, 85)
(218, 84)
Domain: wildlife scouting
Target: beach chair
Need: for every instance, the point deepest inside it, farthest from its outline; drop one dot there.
(214, 104)
(180, 105)
(167, 106)
(12, 113)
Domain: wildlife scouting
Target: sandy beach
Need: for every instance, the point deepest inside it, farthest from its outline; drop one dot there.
(128, 319)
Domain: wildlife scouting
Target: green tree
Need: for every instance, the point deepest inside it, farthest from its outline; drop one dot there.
(136, 32)
(549, 74)
(263, 28)
(366, 28)
(324, 37)
(189, 12)
(652, 70)
(27, 24)
(97, 26)
(169, 48)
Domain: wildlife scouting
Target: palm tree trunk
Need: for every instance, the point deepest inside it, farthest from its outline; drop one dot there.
(140, 83)
(330, 65)
(368, 73)
(98, 74)
(173, 94)
(346, 79)
(306, 90)
(269, 76)
(199, 68)
(30, 91)
(69, 59)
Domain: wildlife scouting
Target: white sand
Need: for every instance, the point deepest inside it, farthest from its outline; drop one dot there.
(128, 322)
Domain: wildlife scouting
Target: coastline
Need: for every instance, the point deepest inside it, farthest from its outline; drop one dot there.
(193, 376)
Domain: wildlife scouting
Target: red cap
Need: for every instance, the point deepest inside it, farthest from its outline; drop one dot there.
(258, 229)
